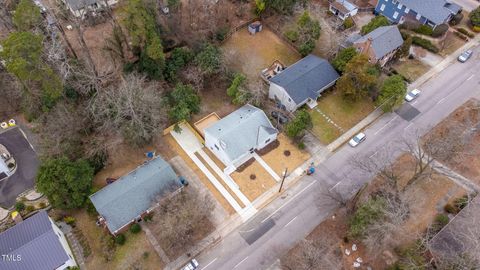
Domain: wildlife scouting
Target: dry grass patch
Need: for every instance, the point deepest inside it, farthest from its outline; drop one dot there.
(411, 69)
(277, 159)
(253, 188)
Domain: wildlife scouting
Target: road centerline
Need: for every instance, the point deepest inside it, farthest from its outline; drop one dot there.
(240, 262)
(290, 221)
(208, 264)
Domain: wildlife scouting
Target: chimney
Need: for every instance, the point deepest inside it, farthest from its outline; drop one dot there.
(366, 46)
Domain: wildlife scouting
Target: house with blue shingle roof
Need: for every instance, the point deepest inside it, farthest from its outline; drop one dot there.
(302, 83)
(429, 12)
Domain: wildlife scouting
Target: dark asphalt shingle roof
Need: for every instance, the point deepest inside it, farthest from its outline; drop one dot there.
(131, 195)
(303, 79)
(35, 241)
(436, 11)
(79, 4)
(384, 40)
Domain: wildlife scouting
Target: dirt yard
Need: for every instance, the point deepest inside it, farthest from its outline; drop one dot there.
(466, 160)
(137, 252)
(278, 160)
(250, 54)
(253, 188)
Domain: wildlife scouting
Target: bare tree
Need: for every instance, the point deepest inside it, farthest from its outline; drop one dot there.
(134, 108)
(319, 254)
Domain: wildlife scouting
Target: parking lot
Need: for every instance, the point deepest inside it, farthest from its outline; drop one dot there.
(27, 164)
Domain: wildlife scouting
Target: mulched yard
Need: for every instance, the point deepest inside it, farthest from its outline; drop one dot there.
(253, 180)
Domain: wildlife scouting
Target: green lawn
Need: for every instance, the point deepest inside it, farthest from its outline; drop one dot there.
(344, 114)
(411, 69)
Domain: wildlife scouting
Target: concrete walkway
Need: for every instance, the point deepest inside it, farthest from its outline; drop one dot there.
(3, 213)
(151, 238)
(74, 244)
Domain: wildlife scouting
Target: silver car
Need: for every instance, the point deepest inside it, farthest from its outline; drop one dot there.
(357, 139)
(412, 95)
(465, 56)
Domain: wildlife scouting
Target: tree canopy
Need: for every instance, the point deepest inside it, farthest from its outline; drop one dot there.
(375, 23)
(358, 78)
(183, 102)
(343, 57)
(209, 59)
(27, 15)
(298, 125)
(66, 183)
(306, 33)
(282, 6)
(179, 58)
(475, 17)
(392, 93)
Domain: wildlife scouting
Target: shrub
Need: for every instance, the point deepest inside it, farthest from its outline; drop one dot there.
(69, 220)
(148, 217)
(461, 36)
(424, 30)
(348, 23)
(306, 47)
(426, 44)
(30, 208)
(19, 206)
(301, 145)
(461, 202)
(221, 33)
(440, 30)
(451, 209)
(296, 128)
(42, 205)
(475, 17)
(465, 32)
(292, 35)
(476, 29)
(375, 23)
(120, 239)
(98, 161)
(441, 220)
(145, 255)
(135, 228)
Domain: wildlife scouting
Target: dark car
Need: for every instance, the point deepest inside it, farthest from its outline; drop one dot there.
(282, 118)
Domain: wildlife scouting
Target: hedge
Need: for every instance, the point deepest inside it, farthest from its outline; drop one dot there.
(461, 36)
(465, 32)
(426, 44)
(424, 30)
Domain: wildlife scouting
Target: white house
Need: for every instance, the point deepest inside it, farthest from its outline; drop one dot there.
(35, 243)
(343, 9)
(80, 7)
(234, 138)
(302, 83)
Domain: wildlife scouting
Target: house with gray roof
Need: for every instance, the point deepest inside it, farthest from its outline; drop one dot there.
(80, 7)
(35, 243)
(133, 195)
(429, 12)
(460, 238)
(302, 83)
(343, 9)
(380, 45)
(234, 138)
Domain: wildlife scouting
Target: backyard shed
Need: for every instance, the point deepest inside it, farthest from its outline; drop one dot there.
(255, 27)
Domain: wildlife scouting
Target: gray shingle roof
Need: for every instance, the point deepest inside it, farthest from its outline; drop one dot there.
(436, 11)
(384, 40)
(131, 195)
(35, 241)
(239, 130)
(461, 235)
(306, 78)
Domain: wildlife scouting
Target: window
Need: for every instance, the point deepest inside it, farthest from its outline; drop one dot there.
(267, 141)
(217, 147)
(382, 8)
(418, 17)
(407, 10)
(394, 2)
(399, 6)
(395, 15)
(289, 99)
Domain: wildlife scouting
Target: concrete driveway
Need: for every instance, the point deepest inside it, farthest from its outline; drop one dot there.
(27, 165)
(467, 5)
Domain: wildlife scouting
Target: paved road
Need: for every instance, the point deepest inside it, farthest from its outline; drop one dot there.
(287, 220)
(467, 5)
(27, 163)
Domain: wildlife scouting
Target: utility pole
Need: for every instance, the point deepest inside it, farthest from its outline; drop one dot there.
(283, 180)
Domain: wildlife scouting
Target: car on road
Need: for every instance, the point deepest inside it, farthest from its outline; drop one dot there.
(282, 118)
(357, 139)
(465, 56)
(412, 95)
(192, 265)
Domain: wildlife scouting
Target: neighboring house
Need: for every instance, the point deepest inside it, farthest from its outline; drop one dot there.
(343, 9)
(302, 83)
(380, 45)
(80, 7)
(234, 138)
(132, 196)
(7, 163)
(35, 243)
(460, 237)
(429, 12)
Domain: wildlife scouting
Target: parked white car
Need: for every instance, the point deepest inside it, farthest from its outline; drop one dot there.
(412, 95)
(192, 265)
(357, 139)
